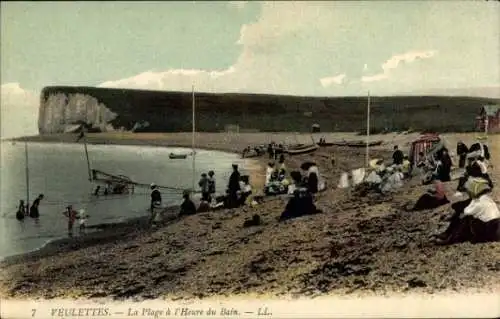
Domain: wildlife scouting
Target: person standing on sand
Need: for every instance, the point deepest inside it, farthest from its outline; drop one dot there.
(204, 186)
(462, 151)
(72, 216)
(211, 185)
(155, 196)
(233, 187)
(397, 156)
(34, 213)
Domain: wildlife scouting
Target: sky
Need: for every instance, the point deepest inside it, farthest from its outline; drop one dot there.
(299, 48)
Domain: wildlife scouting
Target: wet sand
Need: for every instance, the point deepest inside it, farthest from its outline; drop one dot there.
(359, 244)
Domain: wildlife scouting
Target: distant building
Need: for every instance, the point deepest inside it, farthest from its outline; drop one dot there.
(232, 128)
(490, 116)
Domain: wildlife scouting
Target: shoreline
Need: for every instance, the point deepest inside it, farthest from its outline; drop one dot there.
(108, 232)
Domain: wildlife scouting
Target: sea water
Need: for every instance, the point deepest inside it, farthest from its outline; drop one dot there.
(59, 171)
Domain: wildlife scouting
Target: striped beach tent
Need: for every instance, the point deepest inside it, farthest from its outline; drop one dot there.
(425, 144)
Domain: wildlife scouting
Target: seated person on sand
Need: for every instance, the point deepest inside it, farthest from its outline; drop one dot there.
(245, 190)
(406, 167)
(269, 172)
(187, 206)
(422, 166)
(473, 169)
(476, 219)
(443, 169)
(275, 185)
(481, 162)
(374, 178)
(312, 180)
(297, 182)
(433, 198)
(300, 204)
(392, 180)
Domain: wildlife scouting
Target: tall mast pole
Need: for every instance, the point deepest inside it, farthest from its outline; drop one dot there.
(368, 131)
(27, 174)
(193, 139)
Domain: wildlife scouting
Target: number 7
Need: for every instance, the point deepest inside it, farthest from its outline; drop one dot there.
(33, 312)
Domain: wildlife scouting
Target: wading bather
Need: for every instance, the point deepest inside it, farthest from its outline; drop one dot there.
(21, 211)
(34, 213)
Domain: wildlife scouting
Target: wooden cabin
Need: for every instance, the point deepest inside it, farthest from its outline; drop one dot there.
(489, 115)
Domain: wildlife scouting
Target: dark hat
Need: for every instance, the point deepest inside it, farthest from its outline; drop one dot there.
(306, 165)
(235, 166)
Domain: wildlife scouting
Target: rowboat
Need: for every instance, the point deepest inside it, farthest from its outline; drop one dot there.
(177, 156)
(324, 144)
(302, 149)
(356, 144)
(363, 144)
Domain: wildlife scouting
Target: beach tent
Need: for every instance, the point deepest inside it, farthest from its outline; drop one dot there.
(427, 144)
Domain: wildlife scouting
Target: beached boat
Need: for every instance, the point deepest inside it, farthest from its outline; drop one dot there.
(177, 156)
(363, 144)
(324, 144)
(304, 149)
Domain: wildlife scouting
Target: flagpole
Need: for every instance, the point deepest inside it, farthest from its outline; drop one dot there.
(368, 131)
(193, 138)
(27, 174)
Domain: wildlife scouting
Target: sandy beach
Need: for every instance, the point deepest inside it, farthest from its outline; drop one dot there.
(359, 244)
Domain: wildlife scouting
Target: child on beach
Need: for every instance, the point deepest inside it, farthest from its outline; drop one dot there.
(82, 220)
(72, 216)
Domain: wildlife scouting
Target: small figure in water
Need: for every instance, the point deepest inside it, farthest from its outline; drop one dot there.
(107, 188)
(72, 217)
(34, 213)
(82, 217)
(96, 191)
(21, 211)
(187, 206)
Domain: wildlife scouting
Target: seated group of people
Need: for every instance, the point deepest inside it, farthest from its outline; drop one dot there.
(302, 190)
(386, 179)
(277, 182)
(475, 219)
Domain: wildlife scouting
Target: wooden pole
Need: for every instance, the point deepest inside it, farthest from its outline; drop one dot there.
(27, 174)
(193, 140)
(486, 123)
(89, 169)
(368, 131)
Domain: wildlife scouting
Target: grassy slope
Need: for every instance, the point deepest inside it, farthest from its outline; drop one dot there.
(171, 111)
